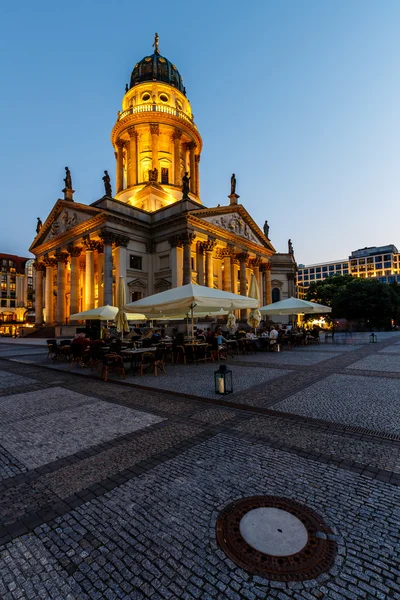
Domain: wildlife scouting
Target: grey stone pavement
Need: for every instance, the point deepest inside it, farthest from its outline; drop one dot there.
(112, 490)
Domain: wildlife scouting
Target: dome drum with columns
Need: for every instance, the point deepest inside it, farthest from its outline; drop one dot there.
(150, 232)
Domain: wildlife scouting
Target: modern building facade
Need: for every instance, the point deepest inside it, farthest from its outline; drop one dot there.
(17, 295)
(155, 232)
(380, 262)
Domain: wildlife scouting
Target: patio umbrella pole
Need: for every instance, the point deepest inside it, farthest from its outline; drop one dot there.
(192, 306)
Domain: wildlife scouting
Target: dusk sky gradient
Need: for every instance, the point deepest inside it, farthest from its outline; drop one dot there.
(299, 98)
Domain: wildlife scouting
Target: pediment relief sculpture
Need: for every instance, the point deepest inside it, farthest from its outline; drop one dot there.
(235, 224)
(65, 221)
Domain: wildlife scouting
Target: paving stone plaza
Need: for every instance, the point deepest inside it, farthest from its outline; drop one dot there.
(113, 490)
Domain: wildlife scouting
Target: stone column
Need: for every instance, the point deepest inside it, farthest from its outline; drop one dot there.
(291, 284)
(192, 146)
(176, 260)
(100, 274)
(49, 293)
(197, 174)
(234, 273)
(120, 257)
(225, 255)
(120, 166)
(132, 165)
(243, 280)
(200, 263)
(187, 239)
(176, 136)
(155, 131)
(39, 267)
(75, 253)
(89, 273)
(61, 285)
(151, 248)
(209, 248)
(107, 238)
(268, 290)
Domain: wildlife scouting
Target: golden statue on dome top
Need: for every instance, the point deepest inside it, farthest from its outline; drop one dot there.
(155, 45)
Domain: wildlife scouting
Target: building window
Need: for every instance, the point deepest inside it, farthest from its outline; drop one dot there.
(345, 271)
(136, 262)
(3, 302)
(318, 275)
(338, 267)
(331, 267)
(312, 276)
(12, 303)
(136, 296)
(305, 271)
(276, 294)
(378, 258)
(387, 257)
(370, 259)
(164, 175)
(312, 270)
(391, 279)
(382, 279)
(324, 269)
(361, 261)
(387, 265)
(378, 265)
(318, 270)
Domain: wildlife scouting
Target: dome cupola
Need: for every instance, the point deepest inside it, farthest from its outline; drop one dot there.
(156, 68)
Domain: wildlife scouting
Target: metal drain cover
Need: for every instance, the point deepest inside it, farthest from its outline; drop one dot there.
(278, 538)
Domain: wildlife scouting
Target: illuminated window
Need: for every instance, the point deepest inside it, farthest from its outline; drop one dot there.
(164, 98)
(136, 296)
(361, 261)
(146, 97)
(164, 175)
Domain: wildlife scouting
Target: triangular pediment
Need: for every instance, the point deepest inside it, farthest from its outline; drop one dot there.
(235, 220)
(137, 283)
(65, 216)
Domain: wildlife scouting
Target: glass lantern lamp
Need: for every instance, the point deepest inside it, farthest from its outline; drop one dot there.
(223, 380)
(373, 338)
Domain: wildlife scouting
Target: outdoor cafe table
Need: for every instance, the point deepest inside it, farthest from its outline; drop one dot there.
(194, 346)
(134, 354)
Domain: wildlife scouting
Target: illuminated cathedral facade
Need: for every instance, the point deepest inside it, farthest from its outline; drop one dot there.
(154, 230)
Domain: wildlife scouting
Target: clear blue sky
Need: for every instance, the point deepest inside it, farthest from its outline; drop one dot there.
(300, 98)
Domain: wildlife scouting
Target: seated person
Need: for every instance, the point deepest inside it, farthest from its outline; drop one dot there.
(250, 335)
(264, 333)
(156, 337)
(80, 338)
(221, 344)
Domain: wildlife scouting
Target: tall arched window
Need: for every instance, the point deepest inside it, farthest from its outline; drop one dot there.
(276, 294)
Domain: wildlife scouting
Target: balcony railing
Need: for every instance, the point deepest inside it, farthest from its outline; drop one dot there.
(144, 108)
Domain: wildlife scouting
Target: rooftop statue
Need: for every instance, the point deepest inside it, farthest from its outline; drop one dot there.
(233, 184)
(39, 225)
(107, 184)
(266, 230)
(155, 45)
(68, 179)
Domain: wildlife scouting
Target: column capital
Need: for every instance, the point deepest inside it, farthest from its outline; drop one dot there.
(91, 245)
(120, 143)
(39, 266)
(100, 248)
(188, 237)
(255, 262)
(74, 251)
(197, 158)
(243, 257)
(132, 132)
(177, 134)
(50, 261)
(209, 245)
(154, 129)
(121, 240)
(176, 241)
(106, 236)
(61, 256)
(225, 252)
(265, 266)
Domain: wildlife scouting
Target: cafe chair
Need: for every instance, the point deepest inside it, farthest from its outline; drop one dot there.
(96, 357)
(112, 362)
(147, 362)
(178, 352)
(51, 348)
(77, 353)
(159, 363)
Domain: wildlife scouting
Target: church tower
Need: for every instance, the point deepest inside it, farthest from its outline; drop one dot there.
(155, 138)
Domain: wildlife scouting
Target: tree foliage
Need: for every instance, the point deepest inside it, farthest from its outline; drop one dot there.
(357, 299)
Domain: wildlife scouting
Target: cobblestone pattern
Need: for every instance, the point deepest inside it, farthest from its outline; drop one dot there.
(134, 397)
(349, 400)
(10, 380)
(41, 439)
(376, 453)
(154, 537)
(378, 362)
(9, 465)
(299, 356)
(391, 350)
(28, 497)
(214, 416)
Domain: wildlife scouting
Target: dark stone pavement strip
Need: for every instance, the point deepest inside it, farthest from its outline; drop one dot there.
(153, 536)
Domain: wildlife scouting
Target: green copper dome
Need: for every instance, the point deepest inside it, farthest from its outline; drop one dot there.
(157, 68)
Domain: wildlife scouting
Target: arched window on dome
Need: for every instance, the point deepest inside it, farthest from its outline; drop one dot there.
(276, 294)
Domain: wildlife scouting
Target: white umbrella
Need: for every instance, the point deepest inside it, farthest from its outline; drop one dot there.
(197, 299)
(104, 313)
(294, 306)
(120, 320)
(255, 315)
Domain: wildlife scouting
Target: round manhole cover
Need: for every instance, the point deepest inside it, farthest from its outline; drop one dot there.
(278, 538)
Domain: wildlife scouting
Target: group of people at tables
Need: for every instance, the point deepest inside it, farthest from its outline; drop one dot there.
(266, 339)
